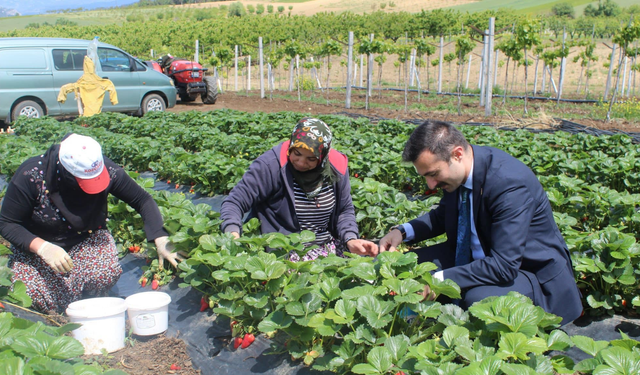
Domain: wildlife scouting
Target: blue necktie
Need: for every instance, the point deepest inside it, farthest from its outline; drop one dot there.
(463, 247)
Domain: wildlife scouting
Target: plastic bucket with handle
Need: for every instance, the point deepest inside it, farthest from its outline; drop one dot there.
(102, 322)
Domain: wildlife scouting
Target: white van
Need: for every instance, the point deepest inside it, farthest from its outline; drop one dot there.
(32, 71)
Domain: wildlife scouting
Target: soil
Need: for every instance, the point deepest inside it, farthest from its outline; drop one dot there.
(380, 108)
(153, 356)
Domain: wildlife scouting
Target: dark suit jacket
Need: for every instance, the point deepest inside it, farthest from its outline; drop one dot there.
(516, 229)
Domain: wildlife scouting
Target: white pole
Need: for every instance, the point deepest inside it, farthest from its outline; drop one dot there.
(361, 68)
(248, 73)
(440, 64)
(350, 65)
(624, 76)
(411, 67)
(196, 57)
(236, 68)
(466, 84)
(563, 65)
(483, 71)
(608, 84)
(495, 66)
(489, 90)
(261, 67)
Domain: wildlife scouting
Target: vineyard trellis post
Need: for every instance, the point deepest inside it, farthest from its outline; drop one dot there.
(483, 67)
(350, 65)
(369, 70)
(440, 64)
(361, 69)
(624, 76)
(248, 74)
(489, 89)
(261, 54)
(466, 84)
(235, 62)
(495, 63)
(611, 61)
(196, 56)
(563, 64)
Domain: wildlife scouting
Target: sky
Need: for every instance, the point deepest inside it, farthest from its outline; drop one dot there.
(28, 7)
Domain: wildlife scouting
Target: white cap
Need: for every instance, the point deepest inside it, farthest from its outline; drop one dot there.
(82, 157)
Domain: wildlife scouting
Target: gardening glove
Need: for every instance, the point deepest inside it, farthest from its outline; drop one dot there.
(55, 257)
(165, 251)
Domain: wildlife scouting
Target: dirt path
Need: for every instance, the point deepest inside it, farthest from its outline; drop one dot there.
(253, 103)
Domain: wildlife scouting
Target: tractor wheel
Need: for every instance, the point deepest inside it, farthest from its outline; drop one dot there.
(211, 95)
(187, 98)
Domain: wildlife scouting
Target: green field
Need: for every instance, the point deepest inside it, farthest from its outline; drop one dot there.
(532, 6)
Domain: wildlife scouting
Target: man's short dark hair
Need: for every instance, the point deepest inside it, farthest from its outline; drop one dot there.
(437, 137)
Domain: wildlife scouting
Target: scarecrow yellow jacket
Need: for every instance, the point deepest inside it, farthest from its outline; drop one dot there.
(90, 88)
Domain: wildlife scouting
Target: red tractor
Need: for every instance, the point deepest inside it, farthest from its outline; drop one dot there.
(188, 77)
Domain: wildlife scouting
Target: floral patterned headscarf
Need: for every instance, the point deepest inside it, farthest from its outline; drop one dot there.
(313, 135)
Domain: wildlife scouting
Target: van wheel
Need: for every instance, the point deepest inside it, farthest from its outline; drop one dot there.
(27, 108)
(152, 102)
(211, 95)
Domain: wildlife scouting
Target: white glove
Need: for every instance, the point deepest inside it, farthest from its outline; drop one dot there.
(55, 257)
(165, 251)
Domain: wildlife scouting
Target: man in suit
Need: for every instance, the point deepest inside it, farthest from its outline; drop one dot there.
(501, 235)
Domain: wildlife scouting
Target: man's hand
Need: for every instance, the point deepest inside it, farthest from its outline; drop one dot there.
(165, 251)
(56, 257)
(235, 235)
(390, 241)
(362, 247)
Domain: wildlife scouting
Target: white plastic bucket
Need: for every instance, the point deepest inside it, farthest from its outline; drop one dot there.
(102, 322)
(148, 312)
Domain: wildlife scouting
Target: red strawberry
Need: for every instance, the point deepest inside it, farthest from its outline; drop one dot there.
(237, 342)
(143, 281)
(1, 306)
(392, 293)
(204, 304)
(624, 303)
(400, 373)
(174, 367)
(154, 284)
(248, 339)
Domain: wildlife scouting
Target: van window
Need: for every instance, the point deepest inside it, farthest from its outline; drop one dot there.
(69, 59)
(11, 58)
(113, 60)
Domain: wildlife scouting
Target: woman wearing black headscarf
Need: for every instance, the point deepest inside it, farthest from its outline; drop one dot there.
(300, 184)
(54, 215)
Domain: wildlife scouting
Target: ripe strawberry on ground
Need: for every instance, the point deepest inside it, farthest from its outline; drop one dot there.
(248, 339)
(143, 281)
(203, 304)
(237, 342)
(154, 284)
(1, 306)
(175, 367)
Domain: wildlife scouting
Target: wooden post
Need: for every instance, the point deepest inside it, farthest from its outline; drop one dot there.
(350, 65)
(440, 64)
(261, 67)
